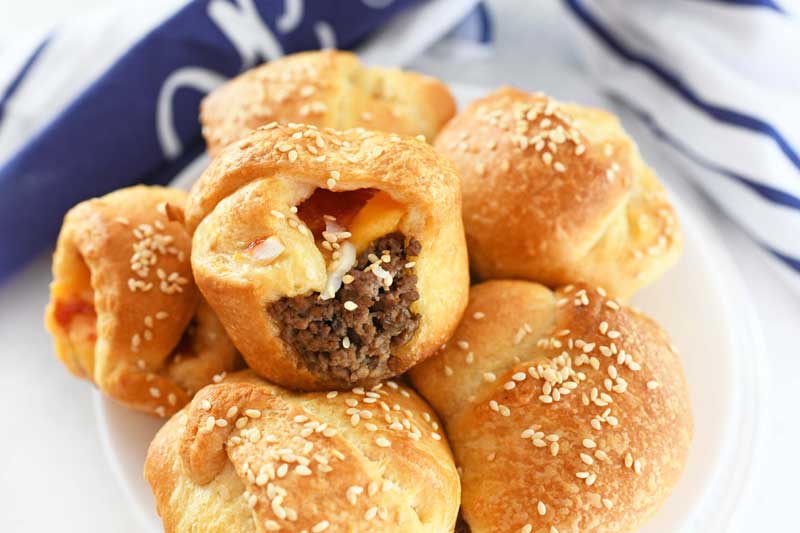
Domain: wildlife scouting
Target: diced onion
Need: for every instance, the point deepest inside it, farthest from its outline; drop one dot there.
(332, 227)
(381, 273)
(347, 259)
(268, 249)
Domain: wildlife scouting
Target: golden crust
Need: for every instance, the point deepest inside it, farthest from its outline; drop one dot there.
(556, 193)
(608, 374)
(234, 202)
(327, 89)
(246, 455)
(124, 311)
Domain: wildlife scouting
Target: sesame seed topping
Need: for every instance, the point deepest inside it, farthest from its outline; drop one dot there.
(541, 507)
(320, 526)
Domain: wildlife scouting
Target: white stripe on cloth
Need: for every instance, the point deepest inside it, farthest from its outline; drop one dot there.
(79, 51)
(427, 22)
(737, 149)
(735, 57)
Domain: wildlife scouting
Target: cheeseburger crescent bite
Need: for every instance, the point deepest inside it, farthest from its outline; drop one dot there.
(332, 258)
(124, 311)
(327, 88)
(557, 193)
(249, 456)
(566, 410)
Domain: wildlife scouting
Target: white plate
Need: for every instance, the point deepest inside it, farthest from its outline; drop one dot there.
(701, 303)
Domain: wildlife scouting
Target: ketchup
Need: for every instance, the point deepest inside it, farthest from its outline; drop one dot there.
(66, 310)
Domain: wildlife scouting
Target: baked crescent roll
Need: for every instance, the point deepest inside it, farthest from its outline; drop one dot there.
(332, 258)
(566, 411)
(246, 456)
(558, 192)
(327, 89)
(124, 311)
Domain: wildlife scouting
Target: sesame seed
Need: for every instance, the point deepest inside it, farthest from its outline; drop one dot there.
(652, 385)
(541, 507)
(586, 458)
(383, 442)
(489, 377)
(637, 466)
(350, 305)
(252, 413)
(321, 526)
(478, 315)
(589, 443)
(332, 394)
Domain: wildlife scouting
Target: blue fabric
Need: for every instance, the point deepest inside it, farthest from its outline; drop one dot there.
(107, 138)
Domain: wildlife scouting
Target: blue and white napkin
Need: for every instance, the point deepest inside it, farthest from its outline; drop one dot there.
(112, 98)
(717, 83)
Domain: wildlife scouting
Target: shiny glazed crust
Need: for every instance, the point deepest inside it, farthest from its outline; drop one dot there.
(122, 298)
(327, 89)
(246, 456)
(557, 193)
(248, 193)
(564, 409)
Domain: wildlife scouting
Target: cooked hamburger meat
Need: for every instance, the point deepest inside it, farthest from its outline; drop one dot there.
(335, 339)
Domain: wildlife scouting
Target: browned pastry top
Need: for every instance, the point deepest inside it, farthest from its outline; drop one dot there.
(557, 193)
(565, 409)
(246, 455)
(326, 88)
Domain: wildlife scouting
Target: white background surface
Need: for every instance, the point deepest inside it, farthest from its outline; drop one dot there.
(52, 471)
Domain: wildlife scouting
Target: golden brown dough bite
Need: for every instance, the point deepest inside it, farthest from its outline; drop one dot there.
(246, 456)
(564, 410)
(124, 311)
(332, 258)
(557, 192)
(327, 89)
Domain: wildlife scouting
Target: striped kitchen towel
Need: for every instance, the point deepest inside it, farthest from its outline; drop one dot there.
(717, 83)
(111, 99)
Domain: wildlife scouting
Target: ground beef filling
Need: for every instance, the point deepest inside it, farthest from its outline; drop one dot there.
(356, 344)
